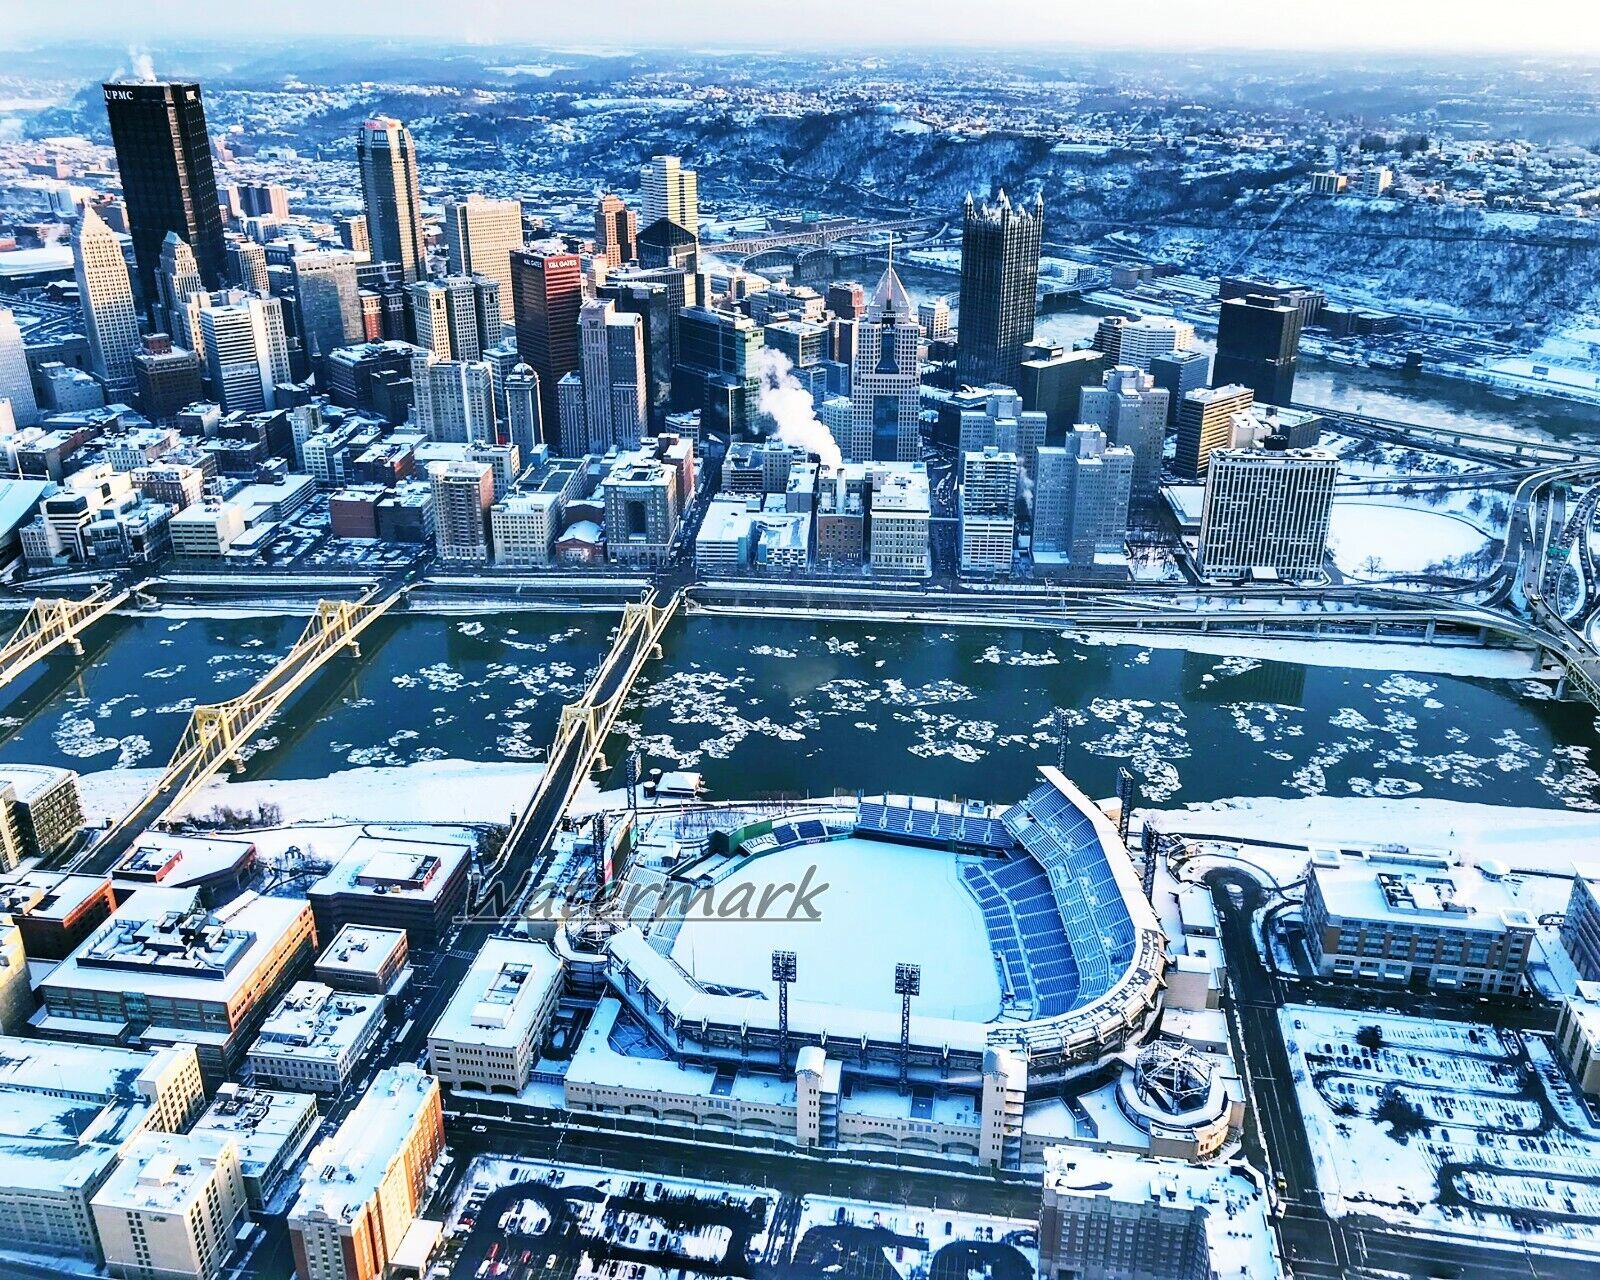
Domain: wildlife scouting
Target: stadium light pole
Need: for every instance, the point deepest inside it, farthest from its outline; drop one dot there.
(907, 983)
(784, 969)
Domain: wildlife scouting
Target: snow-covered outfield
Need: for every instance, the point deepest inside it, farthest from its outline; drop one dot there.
(883, 904)
(1444, 1127)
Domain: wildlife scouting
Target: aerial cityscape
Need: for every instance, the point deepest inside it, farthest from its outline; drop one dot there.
(704, 643)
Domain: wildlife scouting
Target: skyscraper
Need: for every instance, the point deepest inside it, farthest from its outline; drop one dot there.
(1132, 411)
(1267, 508)
(463, 492)
(480, 236)
(886, 380)
(988, 510)
(247, 266)
(616, 231)
(1179, 373)
(176, 279)
(524, 421)
(15, 384)
(353, 233)
(164, 156)
(446, 316)
(547, 292)
(452, 400)
(247, 354)
(716, 373)
(168, 378)
(999, 282)
(325, 291)
(1205, 423)
(652, 303)
(1258, 346)
(671, 192)
(612, 348)
(106, 295)
(389, 189)
(1080, 514)
(1137, 342)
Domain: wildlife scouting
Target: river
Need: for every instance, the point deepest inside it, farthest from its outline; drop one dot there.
(793, 706)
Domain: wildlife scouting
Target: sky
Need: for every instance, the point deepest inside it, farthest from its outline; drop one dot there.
(1570, 27)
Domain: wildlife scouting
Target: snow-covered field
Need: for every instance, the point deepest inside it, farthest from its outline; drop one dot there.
(1370, 539)
(1386, 1114)
(883, 904)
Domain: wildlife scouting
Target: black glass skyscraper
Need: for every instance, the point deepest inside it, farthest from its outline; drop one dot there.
(1258, 346)
(999, 283)
(164, 155)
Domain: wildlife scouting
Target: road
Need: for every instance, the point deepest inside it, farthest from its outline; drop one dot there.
(1313, 1243)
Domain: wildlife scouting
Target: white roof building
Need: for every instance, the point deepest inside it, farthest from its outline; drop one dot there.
(315, 1037)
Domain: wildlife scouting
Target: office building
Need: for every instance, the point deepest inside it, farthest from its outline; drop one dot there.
(54, 911)
(325, 293)
(1137, 342)
(1001, 421)
(165, 964)
(177, 279)
(1110, 1215)
(480, 236)
(219, 868)
(524, 523)
(1580, 928)
(1577, 1037)
(616, 231)
(898, 514)
(40, 811)
(270, 1129)
(524, 414)
(67, 1112)
(933, 318)
(1258, 344)
(999, 284)
(489, 1036)
(716, 370)
(1206, 423)
(168, 184)
(365, 1183)
(16, 386)
(611, 345)
(446, 315)
(665, 245)
(652, 302)
(262, 200)
(645, 492)
(417, 886)
(1080, 507)
(452, 401)
(463, 492)
(1050, 378)
(171, 1208)
(672, 192)
(365, 959)
(106, 295)
(391, 195)
(167, 377)
(1266, 510)
(886, 379)
(1415, 921)
(1178, 373)
(247, 266)
(1132, 411)
(247, 353)
(547, 290)
(315, 1038)
(988, 510)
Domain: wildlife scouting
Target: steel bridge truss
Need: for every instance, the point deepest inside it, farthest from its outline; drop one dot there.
(219, 733)
(51, 623)
(585, 724)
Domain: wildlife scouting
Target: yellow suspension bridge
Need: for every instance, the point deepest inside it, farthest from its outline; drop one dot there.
(218, 734)
(51, 623)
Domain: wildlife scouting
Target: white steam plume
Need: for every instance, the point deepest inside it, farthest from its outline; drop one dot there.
(144, 69)
(780, 396)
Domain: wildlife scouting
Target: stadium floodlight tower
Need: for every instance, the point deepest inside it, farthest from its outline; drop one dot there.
(784, 969)
(907, 983)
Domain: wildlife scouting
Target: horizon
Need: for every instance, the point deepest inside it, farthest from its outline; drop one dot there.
(1472, 28)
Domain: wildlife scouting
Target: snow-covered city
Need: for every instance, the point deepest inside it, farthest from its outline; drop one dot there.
(799, 643)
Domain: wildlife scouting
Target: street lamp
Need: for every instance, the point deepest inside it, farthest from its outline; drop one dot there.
(907, 983)
(784, 968)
